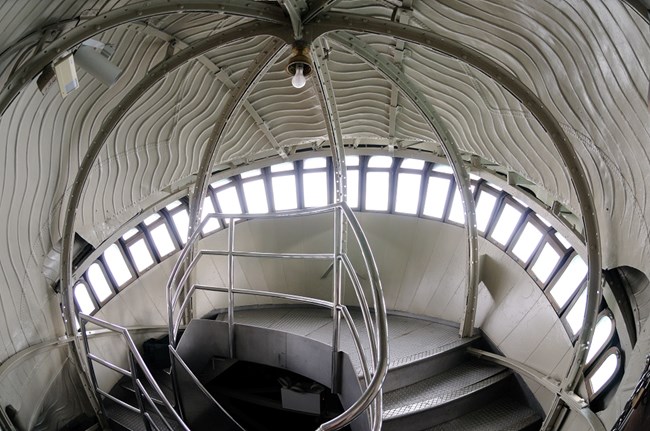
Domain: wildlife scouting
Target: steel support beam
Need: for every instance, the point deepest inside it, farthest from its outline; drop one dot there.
(295, 8)
(152, 77)
(135, 12)
(398, 78)
(318, 7)
(429, 38)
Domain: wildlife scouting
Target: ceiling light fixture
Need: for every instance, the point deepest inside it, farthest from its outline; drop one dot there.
(299, 65)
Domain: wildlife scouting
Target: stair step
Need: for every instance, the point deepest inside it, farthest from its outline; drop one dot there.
(131, 420)
(443, 397)
(504, 414)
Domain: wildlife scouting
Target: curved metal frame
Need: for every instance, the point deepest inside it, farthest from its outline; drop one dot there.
(452, 153)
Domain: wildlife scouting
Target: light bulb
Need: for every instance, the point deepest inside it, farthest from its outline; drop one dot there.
(298, 79)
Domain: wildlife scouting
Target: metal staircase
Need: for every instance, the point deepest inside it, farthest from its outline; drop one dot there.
(427, 382)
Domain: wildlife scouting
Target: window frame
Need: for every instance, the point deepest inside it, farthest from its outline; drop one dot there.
(505, 199)
(141, 234)
(556, 278)
(109, 281)
(548, 238)
(592, 395)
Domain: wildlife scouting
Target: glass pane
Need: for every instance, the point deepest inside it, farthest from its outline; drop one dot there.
(98, 282)
(284, 192)
(173, 205)
(130, 234)
(506, 224)
(229, 201)
(565, 243)
(412, 164)
(182, 223)
(445, 169)
(250, 174)
(353, 188)
(576, 315)
(408, 193)
(152, 218)
(352, 160)
(82, 296)
(457, 212)
(484, 209)
(436, 199)
(377, 190)
(219, 183)
(569, 282)
(601, 336)
(527, 242)
(141, 255)
(315, 189)
(163, 240)
(117, 265)
(255, 194)
(380, 162)
(282, 167)
(314, 163)
(545, 263)
(208, 208)
(604, 373)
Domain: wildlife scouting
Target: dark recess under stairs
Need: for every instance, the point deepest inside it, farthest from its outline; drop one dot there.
(432, 383)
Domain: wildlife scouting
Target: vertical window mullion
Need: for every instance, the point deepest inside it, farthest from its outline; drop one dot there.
(149, 241)
(424, 185)
(392, 183)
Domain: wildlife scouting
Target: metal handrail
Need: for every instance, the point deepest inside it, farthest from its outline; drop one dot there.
(135, 359)
(377, 329)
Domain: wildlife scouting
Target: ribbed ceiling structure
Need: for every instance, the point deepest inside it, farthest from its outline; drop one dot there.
(588, 61)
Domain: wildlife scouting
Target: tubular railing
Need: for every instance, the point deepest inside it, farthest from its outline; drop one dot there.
(374, 368)
(137, 366)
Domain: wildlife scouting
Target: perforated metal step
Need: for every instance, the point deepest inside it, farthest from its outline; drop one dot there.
(504, 414)
(131, 420)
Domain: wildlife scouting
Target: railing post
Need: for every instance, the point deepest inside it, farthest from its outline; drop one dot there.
(231, 286)
(337, 292)
(136, 389)
(91, 368)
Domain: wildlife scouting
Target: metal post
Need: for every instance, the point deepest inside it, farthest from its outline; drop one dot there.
(231, 286)
(336, 301)
(136, 389)
(91, 369)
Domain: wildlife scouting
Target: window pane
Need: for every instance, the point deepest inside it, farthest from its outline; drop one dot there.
(506, 224)
(219, 183)
(141, 255)
(255, 194)
(412, 164)
(315, 189)
(282, 167)
(604, 373)
(130, 234)
(173, 205)
(162, 240)
(408, 193)
(563, 240)
(601, 336)
(352, 160)
(457, 212)
(250, 174)
(576, 315)
(117, 265)
(82, 296)
(484, 209)
(437, 192)
(229, 201)
(182, 223)
(545, 263)
(380, 162)
(284, 192)
(314, 162)
(353, 188)
(377, 191)
(98, 282)
(152, 218)
(445, 169)
(208, 208)
(527, 242)
(569, 282)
